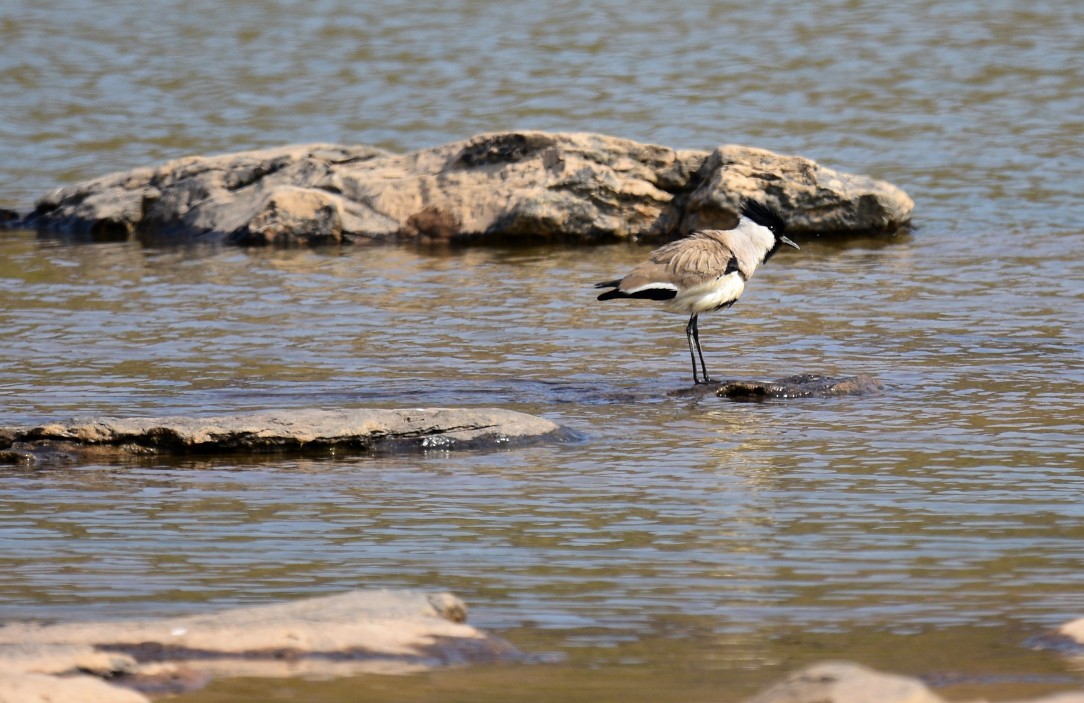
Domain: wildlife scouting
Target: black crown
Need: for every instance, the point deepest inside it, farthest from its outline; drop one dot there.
(763, 215)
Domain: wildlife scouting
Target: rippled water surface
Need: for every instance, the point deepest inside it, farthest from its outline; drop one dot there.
(689, 549)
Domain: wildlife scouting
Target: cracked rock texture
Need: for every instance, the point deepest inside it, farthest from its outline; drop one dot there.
(501, 187)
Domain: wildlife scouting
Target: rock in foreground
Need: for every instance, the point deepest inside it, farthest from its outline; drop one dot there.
(340, 635)
(284, 431)
(844, 682)
(513, 186)
(847, 682)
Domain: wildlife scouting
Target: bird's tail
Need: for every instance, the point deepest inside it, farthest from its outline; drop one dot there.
(610, 294)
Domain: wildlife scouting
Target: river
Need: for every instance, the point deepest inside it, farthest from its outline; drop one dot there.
(684, 549)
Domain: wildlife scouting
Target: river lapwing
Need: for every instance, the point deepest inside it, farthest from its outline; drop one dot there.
(706, 271)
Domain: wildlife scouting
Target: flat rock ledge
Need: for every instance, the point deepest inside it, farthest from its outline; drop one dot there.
(347, 634)
(297, 431)
(498, 187)
(799, 386)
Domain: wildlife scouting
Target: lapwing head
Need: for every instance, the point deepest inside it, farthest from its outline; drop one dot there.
(768, 217)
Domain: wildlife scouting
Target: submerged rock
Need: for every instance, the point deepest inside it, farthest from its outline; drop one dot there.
(285, 431)
(800, 386)
(339, 635)
(510, 186)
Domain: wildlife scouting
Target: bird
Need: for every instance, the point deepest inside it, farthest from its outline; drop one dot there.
(705, 271)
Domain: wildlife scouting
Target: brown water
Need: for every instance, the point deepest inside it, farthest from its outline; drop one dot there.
(689, 549)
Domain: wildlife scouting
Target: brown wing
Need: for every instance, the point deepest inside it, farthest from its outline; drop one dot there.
(684, 263)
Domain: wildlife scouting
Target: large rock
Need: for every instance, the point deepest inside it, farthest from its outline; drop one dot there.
(284, 431)
(340, 635)
(517, 186)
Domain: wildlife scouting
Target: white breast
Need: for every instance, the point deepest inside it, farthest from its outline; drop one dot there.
(707, 296)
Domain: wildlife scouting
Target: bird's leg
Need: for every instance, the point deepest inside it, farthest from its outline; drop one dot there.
(692, 334)
(700, 351)
(692, 355)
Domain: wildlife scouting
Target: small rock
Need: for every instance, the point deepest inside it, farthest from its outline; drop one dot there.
(800, 386)
(1074, 630)
(844, 682)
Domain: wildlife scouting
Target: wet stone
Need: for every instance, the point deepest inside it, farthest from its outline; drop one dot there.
(306, 431)
(799, 386)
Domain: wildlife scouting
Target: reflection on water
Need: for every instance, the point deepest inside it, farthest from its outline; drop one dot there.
(698, 544)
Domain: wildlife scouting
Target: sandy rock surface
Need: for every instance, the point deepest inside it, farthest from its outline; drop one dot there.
(500, 187)
(339, 635)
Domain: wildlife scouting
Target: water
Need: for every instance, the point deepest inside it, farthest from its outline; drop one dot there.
(687, 548)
